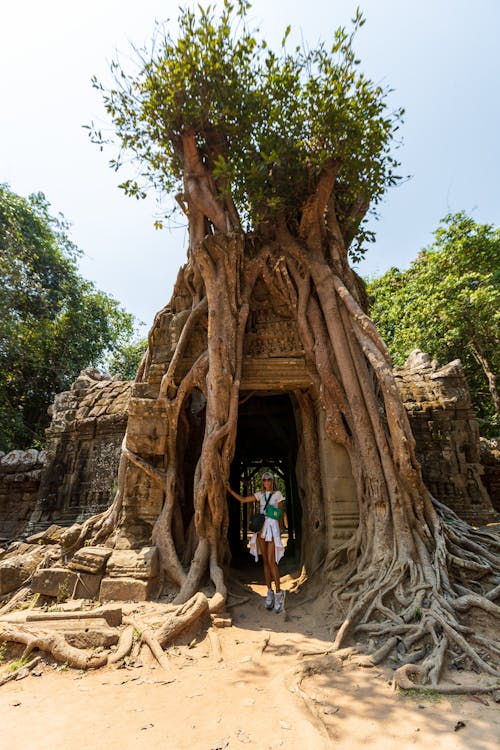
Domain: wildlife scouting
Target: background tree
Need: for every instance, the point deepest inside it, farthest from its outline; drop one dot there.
(125, 360)
(448, 304)
(53, 323)
(275, 158)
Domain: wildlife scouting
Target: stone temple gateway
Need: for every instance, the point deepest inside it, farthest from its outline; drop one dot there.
(280, 426)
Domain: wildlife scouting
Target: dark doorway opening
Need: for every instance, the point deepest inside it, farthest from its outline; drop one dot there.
(266, 440)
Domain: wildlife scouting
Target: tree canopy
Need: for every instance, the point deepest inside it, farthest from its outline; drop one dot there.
(448, 304)
(266, 124)
(53, 323)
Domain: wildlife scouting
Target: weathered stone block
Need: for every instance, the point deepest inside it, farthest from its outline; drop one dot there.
(69, 536)
(90, 559)
(15, 570)
(87, 586)
(150, 502)
(91, 636)
(12, 576)
(57, 582)
(83, 633)
(147, 427)
(142, 564)
(127, 589)
(343, 488)
(52, 535)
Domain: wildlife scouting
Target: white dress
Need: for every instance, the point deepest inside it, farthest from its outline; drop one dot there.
(271, 529)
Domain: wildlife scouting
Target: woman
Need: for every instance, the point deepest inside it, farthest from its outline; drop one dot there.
(267, 541)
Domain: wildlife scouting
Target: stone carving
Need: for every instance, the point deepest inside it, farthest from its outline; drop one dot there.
(83, 449)
(90, 559)
(446, 431)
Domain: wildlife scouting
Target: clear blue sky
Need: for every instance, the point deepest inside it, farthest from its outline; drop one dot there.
(441, 57)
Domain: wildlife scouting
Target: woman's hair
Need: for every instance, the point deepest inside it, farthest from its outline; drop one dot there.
(270, 475)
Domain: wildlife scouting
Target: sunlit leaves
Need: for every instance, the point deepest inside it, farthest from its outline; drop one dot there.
(448, 304)
(53, 323)
(266, 122)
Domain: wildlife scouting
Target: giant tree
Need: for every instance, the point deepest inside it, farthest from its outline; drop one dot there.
(275, 158)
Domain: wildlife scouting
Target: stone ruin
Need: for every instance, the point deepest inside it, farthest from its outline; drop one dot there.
(490, 460)
(446, 431)
(43, 493)
(76, 475)
(20, 476)
(83, 449)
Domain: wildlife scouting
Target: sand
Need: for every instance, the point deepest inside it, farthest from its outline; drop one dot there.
(249, 698)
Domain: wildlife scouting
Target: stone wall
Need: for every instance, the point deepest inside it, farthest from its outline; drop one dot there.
(490, 458)
(83, 450)
(446, 432)
(20, 474)
(89, 422)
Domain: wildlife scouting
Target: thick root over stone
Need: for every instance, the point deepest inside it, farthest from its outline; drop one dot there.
(156, 638)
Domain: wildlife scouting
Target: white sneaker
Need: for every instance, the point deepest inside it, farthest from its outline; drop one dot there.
(269, 603)
(279, 602)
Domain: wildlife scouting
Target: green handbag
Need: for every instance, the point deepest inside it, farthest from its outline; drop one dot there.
(273, 512)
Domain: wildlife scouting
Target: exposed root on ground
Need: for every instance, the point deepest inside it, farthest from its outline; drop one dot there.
(293, 682)
(21, 671)
(408, 611)
(52, 643)
(136, 632)
(409, 676)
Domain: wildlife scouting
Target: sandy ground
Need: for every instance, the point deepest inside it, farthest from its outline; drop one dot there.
(249, 698)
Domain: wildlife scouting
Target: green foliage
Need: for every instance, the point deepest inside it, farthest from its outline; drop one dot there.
(266, 122)
(448, 304)
(126, 359)
(18, 663)
(424, 693)
(53, 323)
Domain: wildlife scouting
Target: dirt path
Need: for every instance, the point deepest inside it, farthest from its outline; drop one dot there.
(249, 698)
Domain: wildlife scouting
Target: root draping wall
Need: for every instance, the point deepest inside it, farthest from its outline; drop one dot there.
(89, 422)
(83, 450)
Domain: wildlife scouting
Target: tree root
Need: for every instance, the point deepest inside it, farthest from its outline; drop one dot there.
(21, 671)
(326, 663)
(124, 645)
(53, 644)
(155, 639)
(186, 615)
(215, 645)
(409, 676)
(148, 637)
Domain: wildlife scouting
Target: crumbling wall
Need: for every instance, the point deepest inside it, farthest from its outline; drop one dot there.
(20, 475)
(490, 458)
(89, 422)
(446, 432)
(83, 450)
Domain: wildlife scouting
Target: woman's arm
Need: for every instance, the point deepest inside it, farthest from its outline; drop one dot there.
(249, 499)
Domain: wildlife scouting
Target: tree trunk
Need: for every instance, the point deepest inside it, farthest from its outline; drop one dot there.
(490, 376)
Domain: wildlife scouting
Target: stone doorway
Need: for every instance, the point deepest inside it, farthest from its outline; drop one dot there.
(267, 440)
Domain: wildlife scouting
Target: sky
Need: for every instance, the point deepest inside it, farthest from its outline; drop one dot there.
(441, 59)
